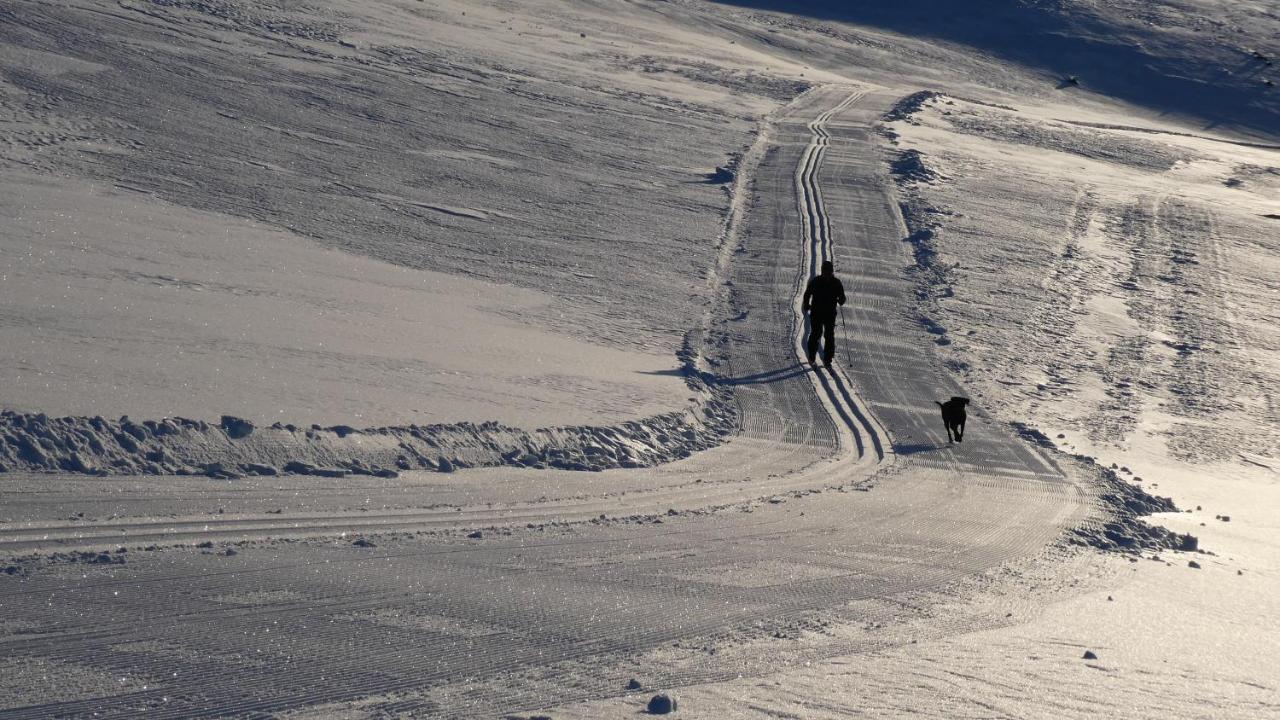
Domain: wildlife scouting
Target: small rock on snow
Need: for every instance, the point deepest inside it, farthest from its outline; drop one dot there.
(662, 704)
(1090, 655)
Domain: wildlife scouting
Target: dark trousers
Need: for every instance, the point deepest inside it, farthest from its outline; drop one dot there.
(822, 325)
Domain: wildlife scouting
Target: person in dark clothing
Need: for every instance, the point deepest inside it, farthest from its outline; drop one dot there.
(821, 297)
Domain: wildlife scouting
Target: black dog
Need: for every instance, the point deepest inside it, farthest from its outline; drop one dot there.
(953, 416)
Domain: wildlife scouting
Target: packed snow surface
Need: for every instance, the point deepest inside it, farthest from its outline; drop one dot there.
(444, 359)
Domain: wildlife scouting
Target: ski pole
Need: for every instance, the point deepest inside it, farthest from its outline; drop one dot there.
(844, 330)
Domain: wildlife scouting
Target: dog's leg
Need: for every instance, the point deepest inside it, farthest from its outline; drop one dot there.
(960, 431)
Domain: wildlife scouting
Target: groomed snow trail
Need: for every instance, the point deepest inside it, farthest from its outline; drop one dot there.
(478, 628)
(833, 387)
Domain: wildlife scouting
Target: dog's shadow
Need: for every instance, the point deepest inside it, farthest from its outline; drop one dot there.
(917, 448)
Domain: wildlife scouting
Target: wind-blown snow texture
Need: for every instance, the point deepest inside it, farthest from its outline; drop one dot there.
(446, 153)
(1124, 502)
(1089, 251)
(1170, 57)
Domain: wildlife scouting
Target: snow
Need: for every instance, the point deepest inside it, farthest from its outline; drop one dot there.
(435, 259)
(193, 314)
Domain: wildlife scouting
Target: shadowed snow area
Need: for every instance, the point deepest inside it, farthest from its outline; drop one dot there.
(1203, 61)
(435, 358)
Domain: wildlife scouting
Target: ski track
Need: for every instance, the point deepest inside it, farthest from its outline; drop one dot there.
(262, 632)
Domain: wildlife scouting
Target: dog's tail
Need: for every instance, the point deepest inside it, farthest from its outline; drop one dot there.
(939, 403)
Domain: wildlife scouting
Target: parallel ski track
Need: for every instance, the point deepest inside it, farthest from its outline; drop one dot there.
(212, 648)
(854, 421)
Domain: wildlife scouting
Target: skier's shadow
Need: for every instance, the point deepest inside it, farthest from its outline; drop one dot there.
(682, 371)
(769, 376)
(916, 448)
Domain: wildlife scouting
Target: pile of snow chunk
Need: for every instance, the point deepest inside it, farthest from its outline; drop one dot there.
(235, 447)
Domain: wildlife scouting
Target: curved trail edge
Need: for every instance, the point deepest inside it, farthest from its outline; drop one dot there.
(508, 624)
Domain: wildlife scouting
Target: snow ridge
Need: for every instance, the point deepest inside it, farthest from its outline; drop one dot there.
(234, 447)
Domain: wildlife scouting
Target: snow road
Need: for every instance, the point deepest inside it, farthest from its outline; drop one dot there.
(763, 531)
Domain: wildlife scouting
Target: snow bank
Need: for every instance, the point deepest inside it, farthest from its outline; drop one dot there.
(1119, 526)
(235, 447)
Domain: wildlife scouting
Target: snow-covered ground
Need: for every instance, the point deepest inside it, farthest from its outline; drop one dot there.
(262, 134)
(123, 304)
(376, 224)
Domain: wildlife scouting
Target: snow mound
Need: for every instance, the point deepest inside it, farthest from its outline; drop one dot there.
(234, 448)
(910, 105)
(1121, 529)
(1123, 504)
(909, 167)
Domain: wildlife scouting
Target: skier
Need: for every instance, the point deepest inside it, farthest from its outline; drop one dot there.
(820, 299)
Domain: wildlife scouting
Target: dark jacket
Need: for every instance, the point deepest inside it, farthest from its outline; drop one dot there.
(822, 295)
